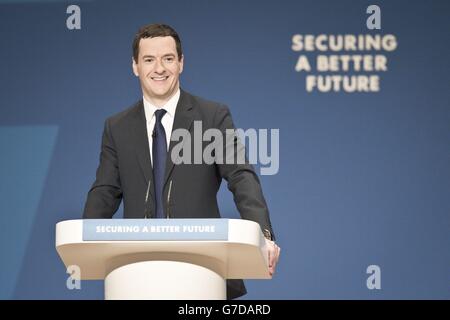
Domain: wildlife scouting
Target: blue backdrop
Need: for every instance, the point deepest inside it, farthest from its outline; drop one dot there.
(364, 178)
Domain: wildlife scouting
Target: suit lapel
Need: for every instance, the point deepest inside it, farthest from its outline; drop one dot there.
(183, 120)
(139, 129)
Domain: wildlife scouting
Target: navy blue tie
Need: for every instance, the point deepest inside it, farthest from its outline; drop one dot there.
(159, 155)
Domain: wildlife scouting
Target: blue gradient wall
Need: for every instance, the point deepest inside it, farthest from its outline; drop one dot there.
(364, 178)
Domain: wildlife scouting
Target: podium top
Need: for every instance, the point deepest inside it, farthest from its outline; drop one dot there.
(233, 248)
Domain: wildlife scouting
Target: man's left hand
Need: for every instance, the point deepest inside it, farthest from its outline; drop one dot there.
(274, 254)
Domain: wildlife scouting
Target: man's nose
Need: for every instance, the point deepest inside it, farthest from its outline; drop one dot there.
(159, 67)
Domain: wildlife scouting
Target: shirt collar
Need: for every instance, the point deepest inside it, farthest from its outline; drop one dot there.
(170, 106)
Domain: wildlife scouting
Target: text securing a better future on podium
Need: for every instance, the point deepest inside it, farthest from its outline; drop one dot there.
(155, 229)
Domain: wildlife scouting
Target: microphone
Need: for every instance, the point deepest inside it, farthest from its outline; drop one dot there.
(168, 199)
(146, 207)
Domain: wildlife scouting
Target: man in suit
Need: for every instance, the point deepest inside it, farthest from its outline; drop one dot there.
(136, 163)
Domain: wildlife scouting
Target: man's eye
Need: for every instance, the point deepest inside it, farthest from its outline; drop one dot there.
(169, 59)
(148, 60)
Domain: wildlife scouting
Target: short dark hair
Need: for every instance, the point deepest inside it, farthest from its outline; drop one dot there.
(152, 31)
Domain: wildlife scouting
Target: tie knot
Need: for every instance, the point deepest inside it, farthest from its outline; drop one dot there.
(159, 114)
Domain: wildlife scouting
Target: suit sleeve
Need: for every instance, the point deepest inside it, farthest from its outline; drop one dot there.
(242, 179)
(105, 195)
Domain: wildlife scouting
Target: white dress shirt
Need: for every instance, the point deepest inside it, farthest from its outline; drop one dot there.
(167, 120)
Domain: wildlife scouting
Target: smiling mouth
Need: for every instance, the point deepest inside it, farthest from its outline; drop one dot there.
(159, 78)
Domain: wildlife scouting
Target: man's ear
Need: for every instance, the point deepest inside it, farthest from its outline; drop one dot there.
(181, 63)
(134, 65)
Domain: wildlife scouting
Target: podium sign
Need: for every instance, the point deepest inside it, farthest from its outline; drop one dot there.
(155, 229)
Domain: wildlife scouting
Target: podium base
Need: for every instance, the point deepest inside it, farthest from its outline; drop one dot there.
(164, 280)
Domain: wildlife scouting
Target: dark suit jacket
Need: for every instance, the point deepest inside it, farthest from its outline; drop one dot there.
(125, 171)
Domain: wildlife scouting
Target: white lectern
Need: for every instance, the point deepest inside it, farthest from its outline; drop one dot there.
(164, 258)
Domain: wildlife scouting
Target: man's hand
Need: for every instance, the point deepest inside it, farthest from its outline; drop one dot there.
(274, 254)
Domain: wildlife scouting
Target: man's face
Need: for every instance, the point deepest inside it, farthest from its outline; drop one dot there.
(158, 68)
